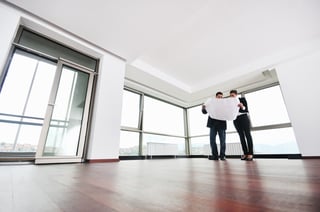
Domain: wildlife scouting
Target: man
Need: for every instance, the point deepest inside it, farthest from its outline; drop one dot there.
(242, 125)
(216, 126)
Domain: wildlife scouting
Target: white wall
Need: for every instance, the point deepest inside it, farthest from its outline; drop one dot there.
(105, 132)
(8, 23)
(300, 83)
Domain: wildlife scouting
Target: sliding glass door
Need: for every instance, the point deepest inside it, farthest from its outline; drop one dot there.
(44, 108)
(63, 133)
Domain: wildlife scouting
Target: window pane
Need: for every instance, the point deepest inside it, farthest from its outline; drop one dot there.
(67, 116)
(232, 138)
(129, 143)
(200, 146)
(275, 141)
(230, 127)
(197, 121)
(21, 72)
(130, 109)
(162, 117)
(41, 89)
(266, 107)
(23, 101)
(165, 140)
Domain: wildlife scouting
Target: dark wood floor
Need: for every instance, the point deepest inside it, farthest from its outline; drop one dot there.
(163, 185)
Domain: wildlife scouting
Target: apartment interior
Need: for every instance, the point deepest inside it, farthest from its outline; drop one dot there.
(100, 105)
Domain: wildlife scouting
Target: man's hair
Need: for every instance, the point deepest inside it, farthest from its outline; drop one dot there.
(219, 93)
(234, 91)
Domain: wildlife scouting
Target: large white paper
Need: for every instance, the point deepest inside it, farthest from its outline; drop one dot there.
(223, 108)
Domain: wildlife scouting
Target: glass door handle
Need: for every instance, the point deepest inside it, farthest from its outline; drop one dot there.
(51, 104)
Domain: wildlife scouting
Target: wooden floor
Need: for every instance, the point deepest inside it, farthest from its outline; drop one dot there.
(163, 185)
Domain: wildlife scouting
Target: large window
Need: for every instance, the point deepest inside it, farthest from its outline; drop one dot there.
(197, 121)
(129, 143)
(130, 122)
(199, 132)
(267, 107)
(275, 141)
(271, 129)
(153, 138)
(146, 120)
(162, 117)
(130, 109)
(200, 145)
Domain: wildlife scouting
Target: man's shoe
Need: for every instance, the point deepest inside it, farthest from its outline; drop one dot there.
(223, 158)
(243, 157)
(213, 158)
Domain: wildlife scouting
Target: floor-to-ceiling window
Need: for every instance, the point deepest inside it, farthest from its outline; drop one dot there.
(131, 121)
(199, 133)
(146, 120)
(271, 128)
(149, 120)
(163, 123)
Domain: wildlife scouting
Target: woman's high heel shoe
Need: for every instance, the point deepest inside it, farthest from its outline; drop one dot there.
(243, 157)
(249, 158)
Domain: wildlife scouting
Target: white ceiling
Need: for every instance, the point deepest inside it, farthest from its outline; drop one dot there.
(186, 50)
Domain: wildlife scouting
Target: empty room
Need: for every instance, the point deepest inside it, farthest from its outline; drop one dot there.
(159, 105)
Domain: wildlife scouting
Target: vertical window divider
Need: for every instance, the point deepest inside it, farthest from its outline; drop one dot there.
(186, 131)
(140, 124)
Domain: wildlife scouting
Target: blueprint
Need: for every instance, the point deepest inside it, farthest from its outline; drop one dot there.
(223, 109)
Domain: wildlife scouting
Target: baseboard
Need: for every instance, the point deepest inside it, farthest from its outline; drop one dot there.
(102, 160)
(310, 157)
(132, 157)
(17, 159)
(152, 157)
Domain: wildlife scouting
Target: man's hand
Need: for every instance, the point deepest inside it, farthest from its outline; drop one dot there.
(241, 106)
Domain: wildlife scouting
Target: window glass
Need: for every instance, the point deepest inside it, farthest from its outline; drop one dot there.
(232, 138)
(197, 121)
(200, 146)
(266, 107)
(275, 141)
(230, 127)
(130, 109)
(162, 117)
(129, 143)
(150, 138)
(23, 101)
